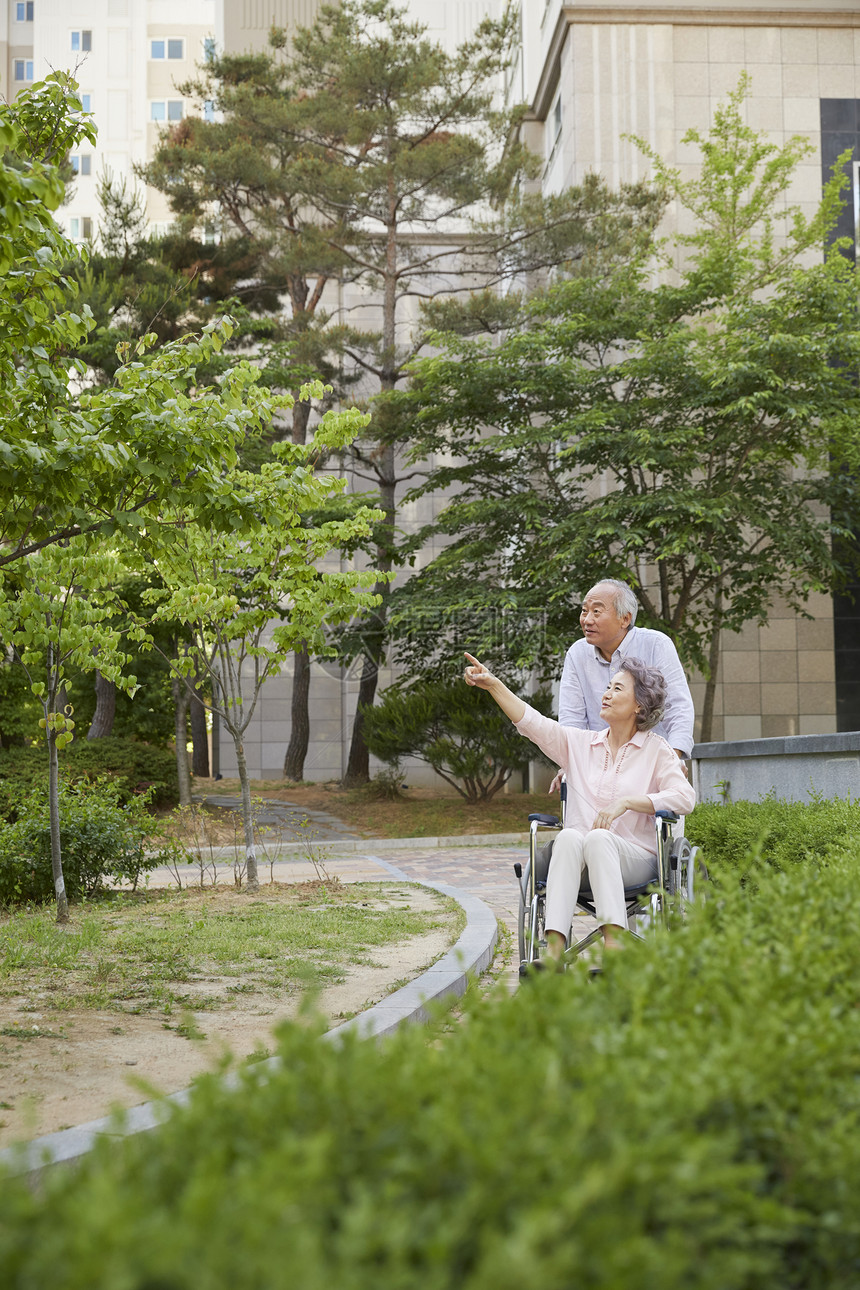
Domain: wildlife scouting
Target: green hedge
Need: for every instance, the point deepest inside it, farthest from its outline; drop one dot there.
(134, 766)
(688, 1121)
(778, 833)
(100, 838)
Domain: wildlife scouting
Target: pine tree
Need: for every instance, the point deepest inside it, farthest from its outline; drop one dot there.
(363, 155)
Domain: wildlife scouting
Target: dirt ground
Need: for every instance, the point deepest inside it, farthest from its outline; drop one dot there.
(70, 1067)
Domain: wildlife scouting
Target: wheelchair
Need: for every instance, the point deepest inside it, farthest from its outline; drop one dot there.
(680, 872)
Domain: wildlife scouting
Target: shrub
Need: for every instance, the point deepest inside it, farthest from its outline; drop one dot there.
(780, 834)
(457, 730)
(689, 1121)
(100, 838)
(134, 767)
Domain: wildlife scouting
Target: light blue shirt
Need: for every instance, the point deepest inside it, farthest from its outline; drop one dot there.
(587, 673)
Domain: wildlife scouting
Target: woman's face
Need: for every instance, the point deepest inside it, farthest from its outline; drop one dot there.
(619, 700)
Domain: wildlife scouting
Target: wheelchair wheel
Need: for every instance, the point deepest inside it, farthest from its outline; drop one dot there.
(688, 871)
(531, 935)
(523, 919)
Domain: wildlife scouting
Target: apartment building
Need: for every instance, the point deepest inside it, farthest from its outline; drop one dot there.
(16, 45)
(129, 57)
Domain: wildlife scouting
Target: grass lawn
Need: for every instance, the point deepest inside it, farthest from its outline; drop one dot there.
(147, 951)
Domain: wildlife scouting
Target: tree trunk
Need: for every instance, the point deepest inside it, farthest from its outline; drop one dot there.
(101, 725)
(358, 763)
(180, 699)
(300, 720)
(199, 733)
(713, 668)
(54, 812)
(247, 816)
(300, 729)
(301, 415)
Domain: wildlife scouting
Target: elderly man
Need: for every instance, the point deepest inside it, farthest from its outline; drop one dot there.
(609, 636)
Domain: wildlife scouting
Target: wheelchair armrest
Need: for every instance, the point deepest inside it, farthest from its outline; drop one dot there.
(548, 821)
(669, 816)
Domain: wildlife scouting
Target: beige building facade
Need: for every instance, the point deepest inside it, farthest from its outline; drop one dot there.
(594, 74)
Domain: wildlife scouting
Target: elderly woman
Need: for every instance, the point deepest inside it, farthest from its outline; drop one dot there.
(617, 778)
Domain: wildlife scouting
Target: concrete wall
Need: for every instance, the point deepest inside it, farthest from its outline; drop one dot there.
(795, 768)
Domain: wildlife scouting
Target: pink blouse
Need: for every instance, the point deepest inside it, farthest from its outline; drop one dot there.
(645, 767)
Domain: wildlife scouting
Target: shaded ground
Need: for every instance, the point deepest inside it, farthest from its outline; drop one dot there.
(417, 813)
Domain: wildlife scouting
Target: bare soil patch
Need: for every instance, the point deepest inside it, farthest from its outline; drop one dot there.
(67, 1065)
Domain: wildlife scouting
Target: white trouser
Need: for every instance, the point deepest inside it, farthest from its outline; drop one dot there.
(612, 865)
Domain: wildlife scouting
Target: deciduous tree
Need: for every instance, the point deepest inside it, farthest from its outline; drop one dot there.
(696, 437)
(245, 600)
(59, 611)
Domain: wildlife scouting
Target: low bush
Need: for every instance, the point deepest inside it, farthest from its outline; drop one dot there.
(455, 729)
(134, 766)
(99, 836)
(778, 833)
(690, 1120)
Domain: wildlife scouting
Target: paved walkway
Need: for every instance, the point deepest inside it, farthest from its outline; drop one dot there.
(482, 867)
(284, 821)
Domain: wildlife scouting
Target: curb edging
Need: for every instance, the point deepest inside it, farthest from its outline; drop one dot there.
(471, 955)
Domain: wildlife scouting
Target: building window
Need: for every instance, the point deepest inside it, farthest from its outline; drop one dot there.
(86, 102)
(23, 69)
(553, 129)
(208, 110)
(24, 12)
(82, 41)
(159, 49)
(81, 230)
(166, 110)
(81, 164)
(209, 49)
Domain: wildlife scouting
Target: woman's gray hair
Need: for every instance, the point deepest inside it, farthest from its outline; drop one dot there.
(649, 689)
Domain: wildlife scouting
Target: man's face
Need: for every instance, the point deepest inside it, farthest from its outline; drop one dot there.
(600, 622)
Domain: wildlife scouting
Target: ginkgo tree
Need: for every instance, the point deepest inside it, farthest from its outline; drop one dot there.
(60, 613)
(245, 599)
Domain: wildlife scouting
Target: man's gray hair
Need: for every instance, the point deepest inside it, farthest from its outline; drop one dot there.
(624, 599)
(649, 689)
